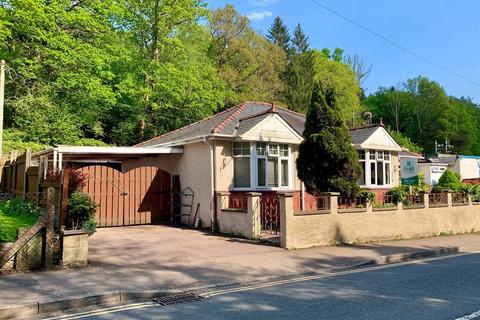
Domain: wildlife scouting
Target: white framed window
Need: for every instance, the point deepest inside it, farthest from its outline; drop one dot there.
(376, 168)
(241, 165)
(269, 165)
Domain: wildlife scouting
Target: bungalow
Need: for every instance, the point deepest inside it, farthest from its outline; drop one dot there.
(252, 148)
(468, 167)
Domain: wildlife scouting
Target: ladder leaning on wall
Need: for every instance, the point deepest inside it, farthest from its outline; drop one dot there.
(183, 211)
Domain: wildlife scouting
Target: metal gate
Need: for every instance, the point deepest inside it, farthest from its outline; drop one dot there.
(270, 213)
(138, 196)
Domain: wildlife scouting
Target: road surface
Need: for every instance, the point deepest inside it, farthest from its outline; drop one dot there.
(437, 288)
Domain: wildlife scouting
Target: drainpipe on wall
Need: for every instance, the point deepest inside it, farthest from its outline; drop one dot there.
(302, 190)
(213, 218)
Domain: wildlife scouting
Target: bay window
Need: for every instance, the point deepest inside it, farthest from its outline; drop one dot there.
(268, 165)
(376, 168)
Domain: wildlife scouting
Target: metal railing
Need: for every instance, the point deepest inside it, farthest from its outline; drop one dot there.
(237, 201)
(316, 203)
(415, 200)
(351, 203)
(438, 199)
(270, 213)
(459, 198)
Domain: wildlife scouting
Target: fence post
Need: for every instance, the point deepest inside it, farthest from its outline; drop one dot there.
(63, 209)
(449, 199)
(253, 208)
(334, 202)
(49, 228)
(286, 213)
(426, 200)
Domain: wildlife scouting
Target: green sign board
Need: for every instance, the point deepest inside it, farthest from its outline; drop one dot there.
(409, 171)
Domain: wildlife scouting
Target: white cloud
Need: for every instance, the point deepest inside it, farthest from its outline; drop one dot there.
(259, 15)
(262, 3)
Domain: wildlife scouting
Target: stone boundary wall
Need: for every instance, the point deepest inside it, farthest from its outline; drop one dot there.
(237, 221)
(304, 229)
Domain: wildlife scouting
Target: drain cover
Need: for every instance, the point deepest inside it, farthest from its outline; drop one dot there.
(177, 299)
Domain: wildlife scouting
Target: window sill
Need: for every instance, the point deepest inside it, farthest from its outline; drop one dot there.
(234, 210)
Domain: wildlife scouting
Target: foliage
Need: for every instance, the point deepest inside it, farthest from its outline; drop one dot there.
(404, 141)
(327, 160)
(14, 214)
(299, 73)
(278, 34)
(90, 225)
(475, 193)
(119, 72)
(422, 185)
(76, 181)
(449, 180)
(341, 80)
(249, 64)
(81, 209)
(367, 196)
(399, 194)
(421, 110)
(14, 139)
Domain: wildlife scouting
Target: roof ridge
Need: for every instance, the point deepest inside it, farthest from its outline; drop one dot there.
(366, 127)
(229, 120)
(184, 127)
(261, 113)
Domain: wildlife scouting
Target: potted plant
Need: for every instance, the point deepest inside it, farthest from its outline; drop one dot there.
(80, 224)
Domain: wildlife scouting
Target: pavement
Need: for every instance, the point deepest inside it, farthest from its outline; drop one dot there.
(443, 288)
(152, 259)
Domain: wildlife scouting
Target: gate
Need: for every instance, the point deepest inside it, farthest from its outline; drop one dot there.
(270, 213)
(138, 196)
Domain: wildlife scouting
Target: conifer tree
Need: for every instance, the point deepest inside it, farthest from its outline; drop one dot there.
(278, 34)
(300, 40)
(299, 74)
(327, 160)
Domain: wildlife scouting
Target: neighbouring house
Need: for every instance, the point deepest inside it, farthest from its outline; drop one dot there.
(379, 158)
(468, 167)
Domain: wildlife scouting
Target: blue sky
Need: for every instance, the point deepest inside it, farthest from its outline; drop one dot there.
(444, 31)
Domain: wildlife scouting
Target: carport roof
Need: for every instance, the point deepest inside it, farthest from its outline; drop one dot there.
(108, 151)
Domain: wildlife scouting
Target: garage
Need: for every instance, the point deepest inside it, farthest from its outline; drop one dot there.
(131, 185)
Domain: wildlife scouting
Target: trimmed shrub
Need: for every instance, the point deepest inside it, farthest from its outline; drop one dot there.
(81, 211)
(450, 180)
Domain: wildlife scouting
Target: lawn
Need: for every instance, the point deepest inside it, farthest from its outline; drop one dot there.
(13, 215)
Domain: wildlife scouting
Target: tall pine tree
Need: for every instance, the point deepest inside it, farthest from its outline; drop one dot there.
(300, 40)
(278, 34)
(299, 74)
(327, 160)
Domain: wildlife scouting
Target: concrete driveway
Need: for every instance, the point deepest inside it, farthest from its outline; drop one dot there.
(155, 247)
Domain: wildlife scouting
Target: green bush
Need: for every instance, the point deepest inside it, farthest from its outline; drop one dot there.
(367, 196)
(450, 180)
(475, 192)
(400, 194)
(81, 211)
(19, 206)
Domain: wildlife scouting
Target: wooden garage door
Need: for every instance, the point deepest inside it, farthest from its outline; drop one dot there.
(139, 196)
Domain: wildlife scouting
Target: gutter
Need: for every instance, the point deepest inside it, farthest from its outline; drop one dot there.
(193, 140)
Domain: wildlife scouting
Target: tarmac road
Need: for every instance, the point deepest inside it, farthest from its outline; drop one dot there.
(436, 288)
